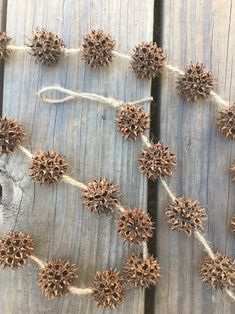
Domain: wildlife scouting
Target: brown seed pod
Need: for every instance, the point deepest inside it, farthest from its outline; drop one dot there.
(11, 134)
(4, 42)
(108, 288)
(218, 272)
(56, 277)
(157, 161)
(185, 215)
(47, 167)
(135, 226)
(46, 47)
(148, 60)
(101, 196)
(97, 48)
(226, 122)
(233, 224)
(233, 171)
(196, 83)
(132, 121)
(142, 273)
(15, 248)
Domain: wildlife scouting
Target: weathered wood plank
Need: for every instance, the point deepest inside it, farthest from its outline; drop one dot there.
(85, 133)
(196, 31)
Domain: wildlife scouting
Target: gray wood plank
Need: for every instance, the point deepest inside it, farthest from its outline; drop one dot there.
(84, 132)
(196, 31)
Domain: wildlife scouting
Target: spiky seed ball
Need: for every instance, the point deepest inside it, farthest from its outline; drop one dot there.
(132, 121)
(233, 171)
(196, 83)
(15, 248)
(108, 288)
(101, 196)
(97, 48)
(185, 215)
(226, 122)
(148, 60)
(142, 273)
(47, 167)
(56, 277)
(218, 272)
(135, 226)
(46, 47)
(157, 161)
(233, 224)
(4, 42)
(11, 134)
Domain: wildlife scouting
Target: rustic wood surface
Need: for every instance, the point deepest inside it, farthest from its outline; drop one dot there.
(84, 132)
(196, 31)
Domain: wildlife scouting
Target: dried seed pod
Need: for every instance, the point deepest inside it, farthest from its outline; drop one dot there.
(226, 122)
(97, 48)
(135, 226)
(108, 288)
(56, 277)
(142, 273)
(218, 272)
(11, 134)
(4, 42)
(196, 83)
(15, 248)
(233, 224)
(47, 167)
(46, 47)
(148, 60)
(233, 171)
(157, 161)
(101, 196)
(132, 121)
(186, 215)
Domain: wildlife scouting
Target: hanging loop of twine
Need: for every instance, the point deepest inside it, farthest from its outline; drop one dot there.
(71, 95)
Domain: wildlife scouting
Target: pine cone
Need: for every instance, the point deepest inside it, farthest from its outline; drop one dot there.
(46, 47)
(148, 60)
(97, 48)
(185, 215)
(135, 226)
(157, 161)
(196, 83)
(47, 167)
(108, 288)
(11, 134)
(142, 273)
(218, 272)
(56, 277)
(233, 224)
(226, 122)
(101, 196)
(132, 121)
(4, 42)
(15, 249)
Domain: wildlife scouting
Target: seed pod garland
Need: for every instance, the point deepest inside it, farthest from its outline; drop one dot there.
(108, 289)
(12, 133)
(97, 48)
(15, 249)
(4, 42)
(56, 277)
(226, 122)
(135, 226)
(47, 47)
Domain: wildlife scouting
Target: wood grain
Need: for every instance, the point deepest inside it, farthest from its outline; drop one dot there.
(196, 31)
(84, 132)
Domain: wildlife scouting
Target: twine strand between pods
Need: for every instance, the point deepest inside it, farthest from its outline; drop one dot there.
(71, 95)
(72, 289)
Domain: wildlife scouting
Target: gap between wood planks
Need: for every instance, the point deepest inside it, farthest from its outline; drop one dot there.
(3, 17)
(154, 135)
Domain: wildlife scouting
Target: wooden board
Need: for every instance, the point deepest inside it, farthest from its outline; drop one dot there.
(196, 31)
(84, 132)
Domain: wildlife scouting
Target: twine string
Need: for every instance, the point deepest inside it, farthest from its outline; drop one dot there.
(168, 190)
(72, 289)
(205, 244)
(71, 95)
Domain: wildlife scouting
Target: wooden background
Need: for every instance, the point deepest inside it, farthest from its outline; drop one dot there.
(84, 132)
